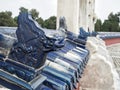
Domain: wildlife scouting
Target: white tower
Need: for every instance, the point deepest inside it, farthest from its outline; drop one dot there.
(78, 13)
(70, 10)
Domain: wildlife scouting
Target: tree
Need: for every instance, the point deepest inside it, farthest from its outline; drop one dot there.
(34, 13)
(98, 25)
(106, 26)
(50, 23)
(15, 19)
(112, 23)
(113, 17)
(9, 13)
(6, 19)
(22, 9)
(40, 21)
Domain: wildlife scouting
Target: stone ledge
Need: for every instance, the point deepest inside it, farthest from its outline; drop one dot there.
(99, 73)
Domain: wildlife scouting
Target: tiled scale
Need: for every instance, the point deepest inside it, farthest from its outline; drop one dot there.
(62, 70)
(70, 60)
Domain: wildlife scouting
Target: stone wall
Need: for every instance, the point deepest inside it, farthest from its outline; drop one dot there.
(99, 73)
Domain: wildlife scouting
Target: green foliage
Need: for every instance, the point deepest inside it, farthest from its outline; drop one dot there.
(112, 24)
(113, 17)
(15, 19)
(98, 25)
(50, 23)
(6, 19)
(106, 26)
(22, 9)
(109, 25)
(40, 21)
(34, 13)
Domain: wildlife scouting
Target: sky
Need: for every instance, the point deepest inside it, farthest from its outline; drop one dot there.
(104, 7)
(48, 8)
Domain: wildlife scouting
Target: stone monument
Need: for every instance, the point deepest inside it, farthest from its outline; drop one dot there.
(78, 13)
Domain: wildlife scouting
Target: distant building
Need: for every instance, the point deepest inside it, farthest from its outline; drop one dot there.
(78, 13)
